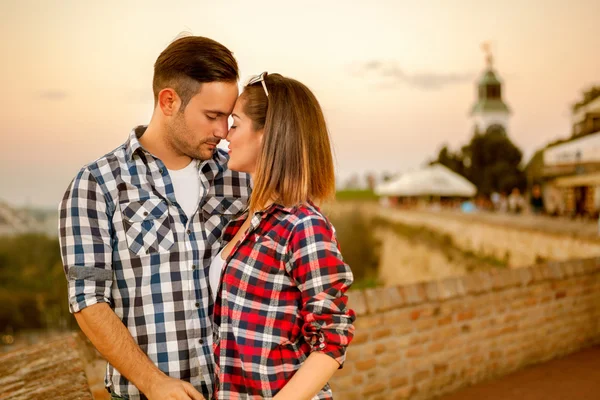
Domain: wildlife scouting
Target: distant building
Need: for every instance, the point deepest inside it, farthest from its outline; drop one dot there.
(15, 221)
(569, 170)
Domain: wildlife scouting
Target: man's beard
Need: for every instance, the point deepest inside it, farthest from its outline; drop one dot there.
(178, 132)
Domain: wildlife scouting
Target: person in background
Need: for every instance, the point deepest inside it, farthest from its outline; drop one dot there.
(516, 202)
(536, 201)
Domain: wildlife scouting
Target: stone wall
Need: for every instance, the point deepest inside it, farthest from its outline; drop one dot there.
(52, 370)
(423, 340)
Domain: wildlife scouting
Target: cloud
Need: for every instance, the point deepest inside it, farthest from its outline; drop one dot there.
(54, 95)
(391, 74)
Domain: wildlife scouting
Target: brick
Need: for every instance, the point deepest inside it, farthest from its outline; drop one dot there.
(383, 299)
(366, 365)
(415, 351)
(532, 301)
(472, 284)
(495, 354)
(450, 287)
(415, 314)
(465, 316)
(369, 321)
(421, 376)
(445, 320)
(556, 271)
(512, 318)
(436, 347)
(386, 360)
(431, 289)
(414, 293)
(485, 281)
(373, 388)
(440, 368)
(357, 302)
(398, 381)
(381, 333)
(403, 393)
(397, 317)
(425, 325)
(476, 359)
(419, 339)
(360, 337)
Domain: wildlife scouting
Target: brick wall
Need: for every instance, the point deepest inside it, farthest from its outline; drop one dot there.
(422, 340)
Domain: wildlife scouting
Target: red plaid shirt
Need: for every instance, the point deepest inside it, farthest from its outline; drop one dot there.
(282, 296)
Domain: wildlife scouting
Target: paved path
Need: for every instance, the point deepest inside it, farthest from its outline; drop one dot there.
(574, 377)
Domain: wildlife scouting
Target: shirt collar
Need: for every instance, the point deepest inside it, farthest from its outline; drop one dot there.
(133, 143)
(210, 168)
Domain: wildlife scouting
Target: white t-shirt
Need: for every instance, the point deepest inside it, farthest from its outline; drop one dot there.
(187, 186)
(214, 273)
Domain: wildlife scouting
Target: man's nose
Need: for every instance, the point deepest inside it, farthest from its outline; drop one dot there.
(221, 131)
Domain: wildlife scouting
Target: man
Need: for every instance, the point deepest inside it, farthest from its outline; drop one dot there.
(140, 225)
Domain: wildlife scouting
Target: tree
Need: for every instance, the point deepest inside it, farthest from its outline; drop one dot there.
(453, 161)
(490, 160)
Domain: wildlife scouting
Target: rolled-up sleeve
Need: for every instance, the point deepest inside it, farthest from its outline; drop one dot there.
(317, 267)
(85, 241)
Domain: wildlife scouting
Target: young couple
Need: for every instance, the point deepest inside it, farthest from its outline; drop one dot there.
(190, 283)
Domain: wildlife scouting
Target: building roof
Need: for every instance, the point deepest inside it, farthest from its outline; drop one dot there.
(489, 78)
(433, 180)
(489, 105)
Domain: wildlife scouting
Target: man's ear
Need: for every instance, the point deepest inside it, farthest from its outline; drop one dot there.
(169, 102)
(261, 135)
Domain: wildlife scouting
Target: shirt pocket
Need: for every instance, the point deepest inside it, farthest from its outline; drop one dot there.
(147, 226)
(217, 212)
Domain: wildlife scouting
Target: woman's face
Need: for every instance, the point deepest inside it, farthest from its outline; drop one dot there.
(244, 141)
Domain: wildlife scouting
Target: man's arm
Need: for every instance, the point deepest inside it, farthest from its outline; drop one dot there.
(112, 339)
(86, 250)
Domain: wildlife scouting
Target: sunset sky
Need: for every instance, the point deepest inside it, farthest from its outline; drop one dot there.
(76, 75)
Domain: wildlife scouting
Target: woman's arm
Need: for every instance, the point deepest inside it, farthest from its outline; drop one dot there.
(317, 267)
(310, 378)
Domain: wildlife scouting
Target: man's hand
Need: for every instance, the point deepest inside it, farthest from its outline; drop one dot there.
(172, 389)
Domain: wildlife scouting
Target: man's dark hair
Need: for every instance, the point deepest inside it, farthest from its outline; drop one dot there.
(190, 61)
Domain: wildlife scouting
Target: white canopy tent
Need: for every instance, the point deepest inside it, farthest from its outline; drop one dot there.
(434, 180)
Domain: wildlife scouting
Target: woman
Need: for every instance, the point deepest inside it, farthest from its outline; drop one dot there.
(282, 324)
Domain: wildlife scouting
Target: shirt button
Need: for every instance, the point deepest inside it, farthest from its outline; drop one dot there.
(193, 267)
(145, 213)
(189, 232)
(161, 171)
(197, 305)
(200, 341)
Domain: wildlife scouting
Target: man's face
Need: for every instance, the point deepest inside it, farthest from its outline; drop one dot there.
(197, 131)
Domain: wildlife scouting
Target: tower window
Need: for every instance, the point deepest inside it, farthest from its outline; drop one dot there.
(493, 91)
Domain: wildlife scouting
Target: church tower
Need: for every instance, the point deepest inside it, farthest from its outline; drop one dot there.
(490, 112)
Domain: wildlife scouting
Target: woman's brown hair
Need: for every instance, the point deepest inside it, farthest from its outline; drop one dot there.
(295, 164)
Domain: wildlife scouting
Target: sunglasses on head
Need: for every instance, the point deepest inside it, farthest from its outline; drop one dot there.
(259, 78)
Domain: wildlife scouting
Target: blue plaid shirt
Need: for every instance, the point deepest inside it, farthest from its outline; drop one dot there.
(125, 241)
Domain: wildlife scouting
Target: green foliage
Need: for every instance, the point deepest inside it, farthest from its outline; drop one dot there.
(491, 161)
(360, 246)
(33, 288)
(443, 242)
(362, 195)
